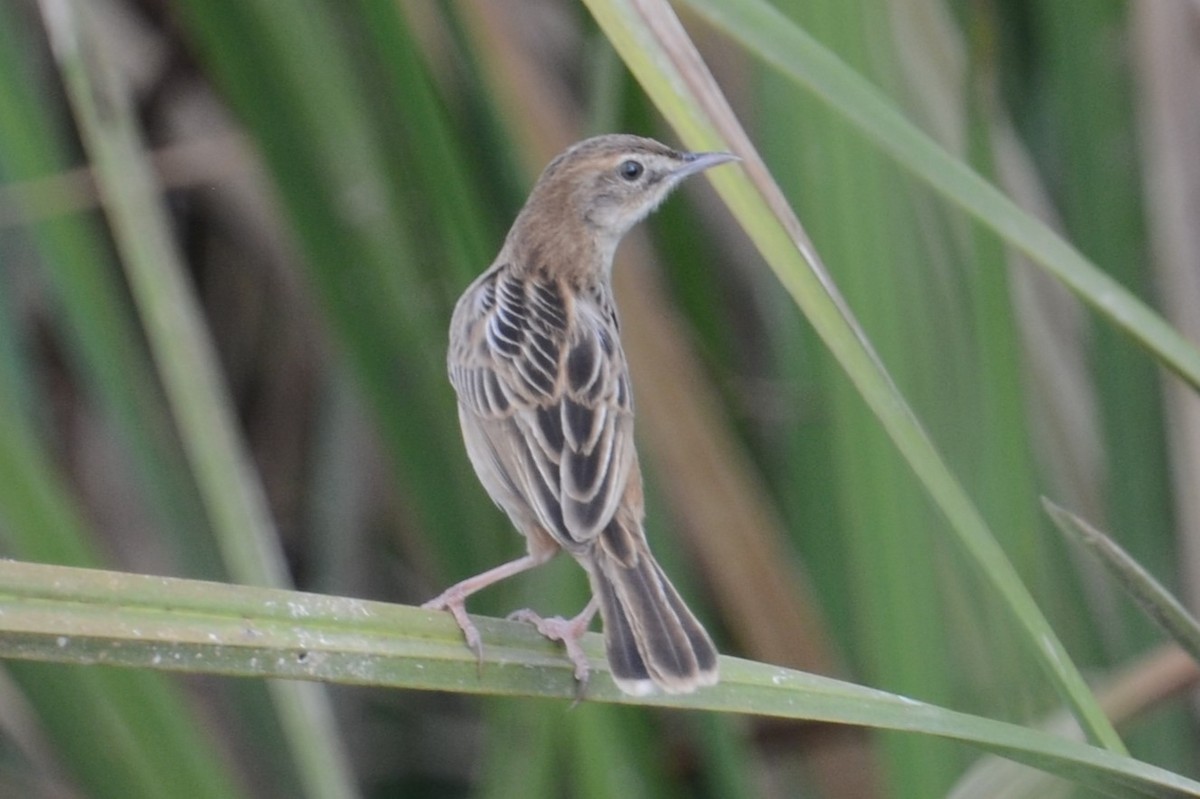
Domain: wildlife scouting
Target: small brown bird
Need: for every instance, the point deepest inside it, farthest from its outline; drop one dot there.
(547, 411)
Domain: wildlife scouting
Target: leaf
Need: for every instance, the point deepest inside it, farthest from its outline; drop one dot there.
(84, 616)
(1159, 604)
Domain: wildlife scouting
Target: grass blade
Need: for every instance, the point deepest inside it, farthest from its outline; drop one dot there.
(232, 494)
(1158, 603)
(97, 320)
(290, 76)
(88, 616)
(769, 35)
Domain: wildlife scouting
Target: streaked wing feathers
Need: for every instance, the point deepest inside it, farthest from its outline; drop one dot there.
(545, 401)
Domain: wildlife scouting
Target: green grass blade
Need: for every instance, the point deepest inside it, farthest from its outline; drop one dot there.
(1083, 127)
(86, 616)
(684, 91)
(434, 166)
(1155, 600)
(289, 76)
(96, 320)
(135, 714)
(179, 344)
(895, 251)
(233, 496)
(1089, 129)
(770, 36)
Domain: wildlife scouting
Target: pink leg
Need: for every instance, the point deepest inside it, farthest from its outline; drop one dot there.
(570, 632)
(454, 598)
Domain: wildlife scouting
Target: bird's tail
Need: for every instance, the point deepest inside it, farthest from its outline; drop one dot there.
(651, 638)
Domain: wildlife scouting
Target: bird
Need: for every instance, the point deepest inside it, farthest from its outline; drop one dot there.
(546, 409)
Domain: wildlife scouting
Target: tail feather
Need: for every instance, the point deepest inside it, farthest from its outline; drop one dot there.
(624, 660)
(651, 638)
(703, 650)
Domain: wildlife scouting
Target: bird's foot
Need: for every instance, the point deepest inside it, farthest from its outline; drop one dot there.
(570, 633)
(456, 605)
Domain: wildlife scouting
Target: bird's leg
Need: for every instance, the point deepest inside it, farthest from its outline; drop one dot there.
(454, 598)
(570, 632)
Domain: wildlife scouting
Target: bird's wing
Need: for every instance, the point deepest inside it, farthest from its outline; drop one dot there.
(545, 402)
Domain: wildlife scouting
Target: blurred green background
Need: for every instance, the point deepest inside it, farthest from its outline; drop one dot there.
(336, 172)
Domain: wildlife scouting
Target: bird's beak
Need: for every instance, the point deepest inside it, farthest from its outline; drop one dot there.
(698, 162)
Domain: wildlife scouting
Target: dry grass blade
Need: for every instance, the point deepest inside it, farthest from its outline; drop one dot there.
(1168, 61)
(200, 161)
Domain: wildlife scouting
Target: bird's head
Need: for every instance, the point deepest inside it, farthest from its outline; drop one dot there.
(603, 186)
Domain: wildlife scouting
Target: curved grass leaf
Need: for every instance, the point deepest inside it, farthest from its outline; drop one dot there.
(768, 35)
(86, 616)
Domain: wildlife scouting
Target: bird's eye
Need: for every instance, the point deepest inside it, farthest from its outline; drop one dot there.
(630, 170)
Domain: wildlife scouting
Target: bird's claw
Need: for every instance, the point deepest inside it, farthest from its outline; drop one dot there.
(570, 633)
(458, 609)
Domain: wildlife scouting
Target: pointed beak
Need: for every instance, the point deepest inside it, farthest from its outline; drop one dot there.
(698, 162)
